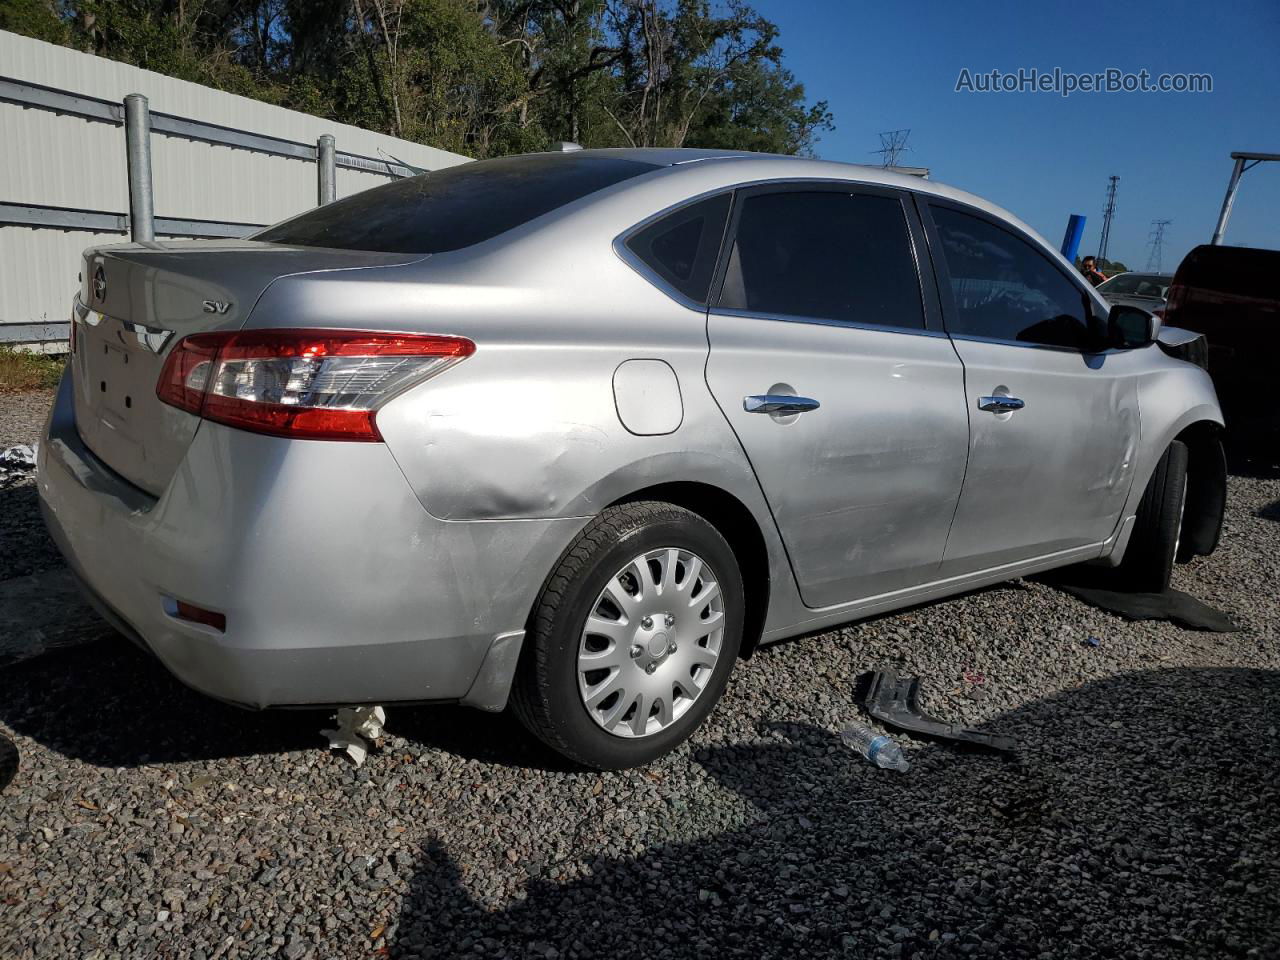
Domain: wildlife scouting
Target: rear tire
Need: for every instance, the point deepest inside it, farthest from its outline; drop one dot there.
(687, 588)
(1153, 546)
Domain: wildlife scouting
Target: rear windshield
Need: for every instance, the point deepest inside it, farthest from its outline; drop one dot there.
(454, 207)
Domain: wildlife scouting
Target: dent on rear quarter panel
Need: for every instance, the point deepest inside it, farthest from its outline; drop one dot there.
(528, 427)
(499, 438)
(507, 434)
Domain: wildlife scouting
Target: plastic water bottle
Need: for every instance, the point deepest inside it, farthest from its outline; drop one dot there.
(876, 747)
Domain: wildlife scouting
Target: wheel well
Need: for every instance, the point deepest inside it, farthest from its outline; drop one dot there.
(1206, 487)
(736, 524)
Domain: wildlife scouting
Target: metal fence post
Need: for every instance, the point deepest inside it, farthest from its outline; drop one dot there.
(327, 171)
(137, 140)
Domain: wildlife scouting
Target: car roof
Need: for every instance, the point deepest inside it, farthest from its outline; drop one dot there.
(766, 166)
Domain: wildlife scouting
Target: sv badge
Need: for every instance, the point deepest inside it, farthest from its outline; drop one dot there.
(217, 306)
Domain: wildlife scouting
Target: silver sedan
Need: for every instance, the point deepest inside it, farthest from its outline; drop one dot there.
(582, 430)
(1147, 291)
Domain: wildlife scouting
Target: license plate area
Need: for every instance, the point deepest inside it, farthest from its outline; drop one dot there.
(114, 381)
(115, 376)
(117, 364)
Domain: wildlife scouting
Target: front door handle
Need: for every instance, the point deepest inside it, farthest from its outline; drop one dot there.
(778, 403)
(1000, 404)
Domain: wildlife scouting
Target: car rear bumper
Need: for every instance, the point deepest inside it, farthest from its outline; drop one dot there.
(337, 586)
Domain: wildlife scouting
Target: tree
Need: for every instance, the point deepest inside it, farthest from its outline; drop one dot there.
(481, 77)
(34, 18)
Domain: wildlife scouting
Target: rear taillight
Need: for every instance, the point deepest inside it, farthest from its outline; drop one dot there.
(310, 384)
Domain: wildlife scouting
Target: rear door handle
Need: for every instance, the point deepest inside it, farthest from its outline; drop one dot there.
(778, 403)
(1000, 404)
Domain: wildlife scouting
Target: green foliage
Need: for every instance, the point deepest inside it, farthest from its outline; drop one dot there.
(763, 110)
(697, 76)
(34, 18)
(480, 77)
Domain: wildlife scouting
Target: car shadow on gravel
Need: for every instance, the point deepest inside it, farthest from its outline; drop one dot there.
(25, 546)
(112, 705)
(1139, 819)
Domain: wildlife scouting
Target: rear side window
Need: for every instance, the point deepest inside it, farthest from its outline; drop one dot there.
(1006, 289)
(827, 255)
(455, 207)
(682, 247)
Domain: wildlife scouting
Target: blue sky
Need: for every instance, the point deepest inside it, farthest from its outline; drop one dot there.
(886, 66)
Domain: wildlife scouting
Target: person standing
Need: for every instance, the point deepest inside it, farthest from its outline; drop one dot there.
(1089, 267)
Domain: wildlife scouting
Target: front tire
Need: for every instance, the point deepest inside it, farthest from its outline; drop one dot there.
(1148, 561)
(633, 637)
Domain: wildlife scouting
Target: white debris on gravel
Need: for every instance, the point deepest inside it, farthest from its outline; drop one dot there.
(17, 463)
(357, 729)
(1138, 820)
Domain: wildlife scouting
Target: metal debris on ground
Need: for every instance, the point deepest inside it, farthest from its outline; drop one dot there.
(16, 463)
(895, 701)
(1092, 642)
(358, 728)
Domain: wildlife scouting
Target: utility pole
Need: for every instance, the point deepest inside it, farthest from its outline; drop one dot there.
(1108, 212)
(893, 143)
(1155, 240)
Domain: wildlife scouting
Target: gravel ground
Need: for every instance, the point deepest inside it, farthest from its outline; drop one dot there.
(1140, 817)
(22, 416)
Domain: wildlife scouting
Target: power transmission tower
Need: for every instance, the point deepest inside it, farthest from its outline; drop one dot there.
(1155, 241)
(893, 144)
(1108, 212)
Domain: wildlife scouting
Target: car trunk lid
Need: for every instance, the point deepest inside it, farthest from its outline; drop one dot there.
(136, 302)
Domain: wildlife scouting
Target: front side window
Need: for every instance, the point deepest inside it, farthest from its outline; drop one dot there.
(682, 247)
(454, 207)
(1006, 289)
(828, 255)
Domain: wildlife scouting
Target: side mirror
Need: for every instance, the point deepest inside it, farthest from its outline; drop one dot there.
(1130, 327)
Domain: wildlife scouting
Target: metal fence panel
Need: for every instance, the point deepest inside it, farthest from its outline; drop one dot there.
(38, 271)
(62, 144)
(61, 161)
